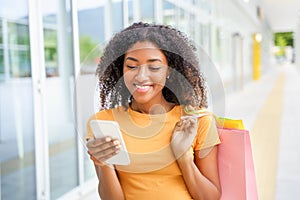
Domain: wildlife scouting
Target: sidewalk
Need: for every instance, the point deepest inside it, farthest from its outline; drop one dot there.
(288, 175)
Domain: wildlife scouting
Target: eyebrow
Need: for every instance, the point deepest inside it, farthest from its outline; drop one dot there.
(150, 60)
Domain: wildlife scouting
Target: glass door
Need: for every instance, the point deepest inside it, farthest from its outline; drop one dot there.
(59, 87)
(17, 146)
(91, 36)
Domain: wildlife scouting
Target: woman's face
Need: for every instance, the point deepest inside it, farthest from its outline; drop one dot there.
(145, 71)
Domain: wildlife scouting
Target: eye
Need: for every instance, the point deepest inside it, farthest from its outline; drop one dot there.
(154, 68)
(131, 67)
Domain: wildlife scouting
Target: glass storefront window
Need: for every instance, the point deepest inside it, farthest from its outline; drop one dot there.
(17, 147)
(91, 32)
(18, 48)
(19, 61)
(205, 37)
(91, 44)
(192, 23)
(147, 10)
(1, 32)
(218, 44)
(50, 47)
(167, 5)
(130, 11)
(117, 10)
(18, 32)
(62, 144)
(1, 65)
(169, 13)
(182, 22)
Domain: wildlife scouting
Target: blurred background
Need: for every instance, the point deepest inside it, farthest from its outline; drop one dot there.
(49, 51)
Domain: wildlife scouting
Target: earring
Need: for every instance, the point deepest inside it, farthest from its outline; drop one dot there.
(168, 76)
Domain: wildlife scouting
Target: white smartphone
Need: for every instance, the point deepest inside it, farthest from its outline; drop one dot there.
(102, 128)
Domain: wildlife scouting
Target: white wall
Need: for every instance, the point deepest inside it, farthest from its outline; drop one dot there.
(236, 16)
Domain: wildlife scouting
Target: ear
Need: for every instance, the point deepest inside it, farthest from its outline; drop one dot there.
(169, 72)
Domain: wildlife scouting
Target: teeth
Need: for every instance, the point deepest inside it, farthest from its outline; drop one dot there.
(142, 86)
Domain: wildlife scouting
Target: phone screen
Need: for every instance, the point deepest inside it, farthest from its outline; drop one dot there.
(102, 128)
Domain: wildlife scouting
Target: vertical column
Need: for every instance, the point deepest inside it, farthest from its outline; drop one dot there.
(136, 11)
(78, 116)
(256, 56)
(38, 79)
(158, 11)
(64, 65)
(107, 20)
(125, 13)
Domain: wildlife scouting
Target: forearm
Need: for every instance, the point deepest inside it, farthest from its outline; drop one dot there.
(109, 187)
(198, 185)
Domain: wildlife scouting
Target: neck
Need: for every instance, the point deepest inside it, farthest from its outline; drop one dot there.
(160, 108)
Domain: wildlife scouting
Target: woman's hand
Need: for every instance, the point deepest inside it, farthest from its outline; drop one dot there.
(102, 149)
(183, 135)
(200, 174)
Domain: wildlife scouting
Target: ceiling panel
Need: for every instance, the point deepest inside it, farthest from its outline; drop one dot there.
(283, 15)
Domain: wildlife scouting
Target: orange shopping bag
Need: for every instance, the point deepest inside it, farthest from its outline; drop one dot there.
(235, 160)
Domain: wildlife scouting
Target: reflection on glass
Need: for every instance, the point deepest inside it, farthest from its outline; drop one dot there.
(91, 37)
(169, 13)
(117, 10)
(91, 31)
(18, 32)
(147, 10)
(18, 48)
(17, 148)
(59, 88)
(192, 23)
(205, 37)
(130, 11)
(206, 6)
(1, 32)
(19, 60)
(182, 22)
(1, 65)
(50, 47)
(217, 49)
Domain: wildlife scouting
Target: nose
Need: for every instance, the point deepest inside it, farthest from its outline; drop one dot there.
(142, 74)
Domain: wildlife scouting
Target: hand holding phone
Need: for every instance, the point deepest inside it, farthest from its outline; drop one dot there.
(103, 128)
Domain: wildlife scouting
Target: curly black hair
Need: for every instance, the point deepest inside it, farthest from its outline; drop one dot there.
(186, 85)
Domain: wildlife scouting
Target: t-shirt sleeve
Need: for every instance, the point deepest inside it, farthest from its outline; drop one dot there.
(207, 136)
(102, 115)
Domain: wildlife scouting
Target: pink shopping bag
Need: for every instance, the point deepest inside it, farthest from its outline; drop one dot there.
(236, 167)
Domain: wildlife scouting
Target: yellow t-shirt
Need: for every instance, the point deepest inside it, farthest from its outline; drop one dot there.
(153, 171)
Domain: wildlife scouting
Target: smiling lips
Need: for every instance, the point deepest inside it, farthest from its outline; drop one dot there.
(142, 88)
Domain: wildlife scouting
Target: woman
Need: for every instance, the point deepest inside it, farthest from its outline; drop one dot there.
(148, 78)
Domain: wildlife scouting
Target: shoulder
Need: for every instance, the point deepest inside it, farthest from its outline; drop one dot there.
(206, 121)
(107, 114)
(101, 115)
(207, 132)
(206, 126)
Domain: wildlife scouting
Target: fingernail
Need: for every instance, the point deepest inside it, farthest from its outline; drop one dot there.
(108, 139)
(116, 142)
